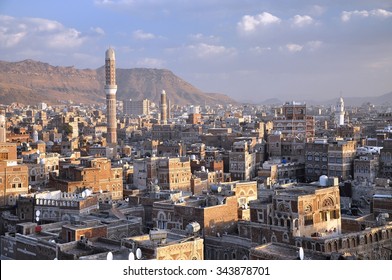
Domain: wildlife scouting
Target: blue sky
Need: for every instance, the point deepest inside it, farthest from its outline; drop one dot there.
(249, 49)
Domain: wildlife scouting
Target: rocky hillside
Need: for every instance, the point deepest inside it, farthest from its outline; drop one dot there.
(30, 82)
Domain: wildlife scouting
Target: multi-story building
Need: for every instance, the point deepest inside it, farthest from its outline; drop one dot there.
(41, 168)
(94, 173)
(273, 172)
(168, 245)
(215, 213)
(13, 176)
(341, 156)
(294, 122)
(242, 161)
(316, 159)
(305, 210)
(174, 173)
(168, 173)
(366, 168)
(136, 107)
(386, 159)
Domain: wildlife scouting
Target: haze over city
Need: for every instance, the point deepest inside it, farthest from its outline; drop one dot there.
(249, 50)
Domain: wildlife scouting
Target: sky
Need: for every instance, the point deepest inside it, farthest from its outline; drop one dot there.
(251, 50)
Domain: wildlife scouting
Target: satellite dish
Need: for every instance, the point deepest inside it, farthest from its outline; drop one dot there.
(29, 187)
(37, 219)
(156, 181)
(131, 256)
(55, 259)
(100, 191)
(109, 256)
(83, 194)
(301, 253)
(138, 253)
(127, 199)
(37, 213)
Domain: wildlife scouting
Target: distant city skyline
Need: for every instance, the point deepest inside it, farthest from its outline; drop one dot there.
(249, 50)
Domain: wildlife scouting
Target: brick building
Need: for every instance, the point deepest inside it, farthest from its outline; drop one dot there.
(215, 214)
(167, 245)
(94, 173)
(13, 176)
(242, 161)
(305, 210)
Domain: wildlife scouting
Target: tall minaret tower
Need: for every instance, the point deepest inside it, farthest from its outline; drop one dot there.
(163, 108)
(3, 137)
(110, 90)
(339, 113)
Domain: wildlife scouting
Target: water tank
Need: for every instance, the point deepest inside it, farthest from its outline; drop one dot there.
(193, 157)
(157, 235)
(323, 180)
(216, 188)
(192, 228)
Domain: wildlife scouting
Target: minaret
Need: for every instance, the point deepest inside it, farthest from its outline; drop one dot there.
(110, 90)
(163, 108)
(339, 113)
(3, 136)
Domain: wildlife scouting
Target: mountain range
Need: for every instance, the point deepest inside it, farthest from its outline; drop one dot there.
(384, 99)
(31, 82)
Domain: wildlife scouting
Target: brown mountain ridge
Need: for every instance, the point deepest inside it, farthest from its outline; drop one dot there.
(31, 82)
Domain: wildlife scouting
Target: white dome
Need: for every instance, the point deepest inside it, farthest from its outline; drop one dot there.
(110, 54)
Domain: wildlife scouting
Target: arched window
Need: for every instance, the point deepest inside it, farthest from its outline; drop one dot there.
(328, 202)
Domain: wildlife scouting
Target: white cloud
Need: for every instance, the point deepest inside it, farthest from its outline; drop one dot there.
(301, 21)
(150, 62)
(199, 37)
(313, 45)
(251, 23)
(309, 46)
(378, 13)
(381, 13)
(37, 32)
(260, 50)
(141, 35)
(98, 30)
(293, 48)
(317, 10)
(203, 50)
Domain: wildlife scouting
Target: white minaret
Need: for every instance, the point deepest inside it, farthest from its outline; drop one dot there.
(339, 113)
(35, 136)
(3, 136)
(110, 90)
